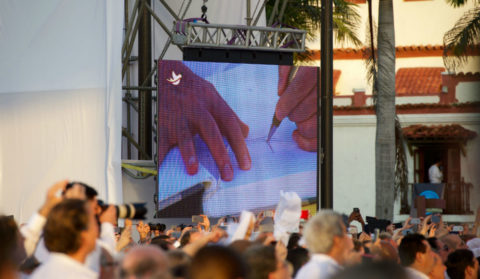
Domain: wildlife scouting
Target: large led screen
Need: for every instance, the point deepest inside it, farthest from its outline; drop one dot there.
(214, 149)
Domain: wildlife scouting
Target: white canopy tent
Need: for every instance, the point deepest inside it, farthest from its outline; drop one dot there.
(61, 96)
(60, 99)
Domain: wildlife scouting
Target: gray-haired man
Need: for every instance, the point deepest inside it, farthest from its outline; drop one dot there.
(327, 241)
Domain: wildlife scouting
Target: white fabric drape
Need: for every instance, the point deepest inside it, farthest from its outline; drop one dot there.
(60, 99)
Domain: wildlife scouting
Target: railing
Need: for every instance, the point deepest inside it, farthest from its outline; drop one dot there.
(456, 195)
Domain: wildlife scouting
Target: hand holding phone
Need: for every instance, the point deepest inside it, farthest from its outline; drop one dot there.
(197, 219)
(415, 221)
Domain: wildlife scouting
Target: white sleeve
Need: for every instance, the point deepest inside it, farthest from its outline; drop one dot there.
(107, 237)
(32, 232)
(476, 252)
(438, 174)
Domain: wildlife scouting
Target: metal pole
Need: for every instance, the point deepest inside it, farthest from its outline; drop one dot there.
(249, 16)
(326, 120)
(132, 38)
(274, 13)
(129, 124)
(282, 11)
(259, 13)
(145, 96)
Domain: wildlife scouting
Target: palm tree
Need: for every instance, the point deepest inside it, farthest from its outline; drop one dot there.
(401, 168)
(463, 37)
(385, 110)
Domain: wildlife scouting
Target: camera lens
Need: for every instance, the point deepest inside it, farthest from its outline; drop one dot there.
(131, 211)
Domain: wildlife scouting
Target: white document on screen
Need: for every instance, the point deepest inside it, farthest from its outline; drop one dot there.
(251, 91)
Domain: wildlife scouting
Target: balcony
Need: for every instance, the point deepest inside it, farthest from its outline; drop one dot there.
(456, 195)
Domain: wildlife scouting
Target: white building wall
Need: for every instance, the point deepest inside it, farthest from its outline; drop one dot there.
(354, 158)
(354, 163)
(468, 92)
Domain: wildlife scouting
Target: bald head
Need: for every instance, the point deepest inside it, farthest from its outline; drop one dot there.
(145, 262)
(453, 242)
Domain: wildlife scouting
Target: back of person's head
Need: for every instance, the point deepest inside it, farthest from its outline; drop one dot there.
(453, 242)
(90, 192)
(409, 247)
(217, 262)
(373, 270)
(11, 250)
(293, 241)
(179, 263)
(162, 243)
(297, 257)
(65, 227)
(321, 230)
(385, 236)
(433, 241)
(145, 262)
(385, 251)
(261, 261)
(240, 245)
(185, 238)
(461, 263)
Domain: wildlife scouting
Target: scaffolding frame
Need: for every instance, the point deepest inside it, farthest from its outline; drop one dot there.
(249, 37)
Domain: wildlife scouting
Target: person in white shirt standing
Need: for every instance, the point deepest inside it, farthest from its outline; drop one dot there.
(435, 174)
(34, 244)
(70, 234)
(417, 256)
(329, 245)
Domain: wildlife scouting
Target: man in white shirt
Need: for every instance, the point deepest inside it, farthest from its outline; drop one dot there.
(33, 229)
(435, 173)
(327, 241)
(417, 256)
(70, 234)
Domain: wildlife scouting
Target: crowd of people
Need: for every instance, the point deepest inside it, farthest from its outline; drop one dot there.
(71, 236)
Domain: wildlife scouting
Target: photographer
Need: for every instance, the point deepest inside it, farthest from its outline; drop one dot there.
(106, 219)
(70, 236)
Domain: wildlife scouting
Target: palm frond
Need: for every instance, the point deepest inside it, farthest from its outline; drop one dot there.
(346, 20)
(401, 167)
(370, 55)
(301, 14)
(457, 3)
(462, 38)
(306, 15)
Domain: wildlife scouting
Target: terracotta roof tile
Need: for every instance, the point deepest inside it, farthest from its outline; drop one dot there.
(400, 52)
(435, 132)
(468, 74)
(418, 81)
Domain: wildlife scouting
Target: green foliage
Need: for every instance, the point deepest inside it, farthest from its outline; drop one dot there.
(464, 36)
(306, 15)
(301, 14)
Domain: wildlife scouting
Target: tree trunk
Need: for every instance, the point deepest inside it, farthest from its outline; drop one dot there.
(385, 110)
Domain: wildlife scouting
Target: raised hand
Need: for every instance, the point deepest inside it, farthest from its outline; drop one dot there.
(143, 230)
(190, 105)
(298, 101)
(53, 197)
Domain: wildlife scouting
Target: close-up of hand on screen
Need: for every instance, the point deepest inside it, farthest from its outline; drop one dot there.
(298, 102)
(190, 105)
